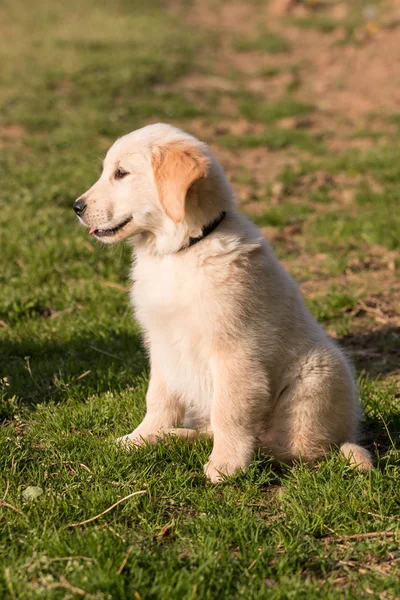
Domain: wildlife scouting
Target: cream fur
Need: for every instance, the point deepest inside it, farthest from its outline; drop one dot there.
(234, 352)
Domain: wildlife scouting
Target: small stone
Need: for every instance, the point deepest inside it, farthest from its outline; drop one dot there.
(276, 189)
(288, 123)
(32, 492)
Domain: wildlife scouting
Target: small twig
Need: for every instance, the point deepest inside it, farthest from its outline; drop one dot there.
(86, 468)
(78, 557)
(251, 565)
(83, 375)
(329, 529)
(382, 516)
(361, 536)
(116, 286)
(7, 504)
(107, 509)
(64, 583)
(127, 555)
(6, 492)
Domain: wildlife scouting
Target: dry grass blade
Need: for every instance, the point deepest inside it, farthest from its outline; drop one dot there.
(44, 562)
(116, 286)
(77, 557)
(127, 555)
(382, 516)
(83, 375)
(361, 536)
(14, 508)
(7, 504)
(6, 492)
(107, 509)
(86, 468)
(253, 564)
(65, 584)
(105, 352)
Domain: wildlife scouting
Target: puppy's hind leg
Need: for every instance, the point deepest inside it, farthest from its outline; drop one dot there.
(317, 411)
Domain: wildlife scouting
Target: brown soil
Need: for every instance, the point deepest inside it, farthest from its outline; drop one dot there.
(349, 81)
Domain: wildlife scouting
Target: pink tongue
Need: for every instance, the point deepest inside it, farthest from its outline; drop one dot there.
(92, 230)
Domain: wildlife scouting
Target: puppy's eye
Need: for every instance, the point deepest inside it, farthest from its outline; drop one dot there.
(120, 174)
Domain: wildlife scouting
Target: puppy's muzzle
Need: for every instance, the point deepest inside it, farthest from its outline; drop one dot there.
(80, 206)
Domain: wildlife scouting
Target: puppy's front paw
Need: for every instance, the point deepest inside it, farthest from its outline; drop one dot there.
(132, 440)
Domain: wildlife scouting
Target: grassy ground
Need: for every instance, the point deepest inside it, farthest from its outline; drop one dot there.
(312, 153)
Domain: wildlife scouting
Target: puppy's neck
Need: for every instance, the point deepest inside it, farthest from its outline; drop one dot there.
(206, 200)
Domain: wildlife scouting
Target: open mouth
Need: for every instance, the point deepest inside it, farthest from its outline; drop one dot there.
(111, 231)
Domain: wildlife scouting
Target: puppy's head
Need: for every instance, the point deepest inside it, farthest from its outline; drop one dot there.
(143, 187)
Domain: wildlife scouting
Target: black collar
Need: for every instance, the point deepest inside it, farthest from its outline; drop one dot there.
(206, 230)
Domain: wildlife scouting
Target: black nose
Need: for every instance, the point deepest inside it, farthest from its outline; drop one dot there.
(80, 206)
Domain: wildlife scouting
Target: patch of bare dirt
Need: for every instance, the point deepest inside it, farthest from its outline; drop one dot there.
(212, 130)
(353, 79)
(259, 164)
(350, 80)
(12, 131)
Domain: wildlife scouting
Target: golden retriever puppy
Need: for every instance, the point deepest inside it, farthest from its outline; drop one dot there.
(234, 352)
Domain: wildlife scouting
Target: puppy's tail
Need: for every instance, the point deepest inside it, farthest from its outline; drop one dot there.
(357, 456)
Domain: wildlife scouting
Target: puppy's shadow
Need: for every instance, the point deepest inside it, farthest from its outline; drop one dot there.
(38, 372)
(377, 354)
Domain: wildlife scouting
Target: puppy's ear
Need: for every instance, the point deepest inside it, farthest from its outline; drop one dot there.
(176, 167)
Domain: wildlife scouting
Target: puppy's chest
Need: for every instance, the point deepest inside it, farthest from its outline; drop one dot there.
(178, 329)
(169, 302)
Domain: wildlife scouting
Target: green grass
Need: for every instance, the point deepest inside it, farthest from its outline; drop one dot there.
(359, 14)
(274, 138)
(335, 308)
(265, 41)
(255, 109)
(322, 23)
(73, 371)
(285, 214)
(367, 225)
